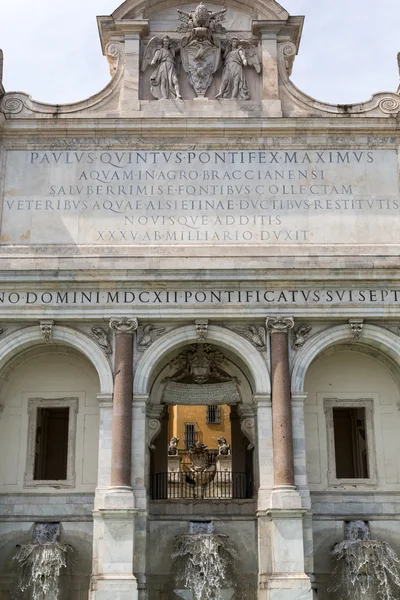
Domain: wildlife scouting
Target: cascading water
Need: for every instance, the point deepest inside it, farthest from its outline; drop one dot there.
(204, 563)
(365, 569)
(42, 561)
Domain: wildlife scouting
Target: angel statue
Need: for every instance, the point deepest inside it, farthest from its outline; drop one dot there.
(160, 53)
(238, 54)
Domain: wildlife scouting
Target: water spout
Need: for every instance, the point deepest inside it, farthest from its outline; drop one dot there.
(42, 561)
(204, 561)
(365, 569)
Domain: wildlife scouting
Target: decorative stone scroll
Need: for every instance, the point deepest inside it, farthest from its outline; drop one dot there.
(154, 423)
(205, 394)
(247, 424)
(356, 326)
(124, 325)
(46, 329)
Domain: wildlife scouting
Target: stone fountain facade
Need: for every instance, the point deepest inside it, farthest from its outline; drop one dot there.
(199, 232)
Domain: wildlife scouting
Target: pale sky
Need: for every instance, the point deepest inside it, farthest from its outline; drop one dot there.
(348, 49)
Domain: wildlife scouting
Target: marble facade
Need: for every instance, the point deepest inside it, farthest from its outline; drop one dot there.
(268, 224)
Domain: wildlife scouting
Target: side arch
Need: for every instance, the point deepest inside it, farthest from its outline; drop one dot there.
(382, 340)
(221, 336)
(22, 339)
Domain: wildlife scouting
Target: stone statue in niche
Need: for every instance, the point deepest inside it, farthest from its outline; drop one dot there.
(173, 446)
(161, 54)
(237, 55)
(201, 49)
(223, 448)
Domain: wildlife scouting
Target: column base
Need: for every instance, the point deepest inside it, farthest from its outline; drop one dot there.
(296, 586)
(285, 497)
(113, 588)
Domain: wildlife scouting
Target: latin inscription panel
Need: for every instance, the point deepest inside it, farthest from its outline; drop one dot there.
(260, 197)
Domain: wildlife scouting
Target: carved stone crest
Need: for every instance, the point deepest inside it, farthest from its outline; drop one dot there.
(200, 364)
(201, 49)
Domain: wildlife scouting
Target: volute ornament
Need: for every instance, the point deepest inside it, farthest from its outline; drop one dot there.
(123, 325)
(280, 324)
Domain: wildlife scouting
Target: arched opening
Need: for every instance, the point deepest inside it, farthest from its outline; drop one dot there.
(200, 451)
(352, 446)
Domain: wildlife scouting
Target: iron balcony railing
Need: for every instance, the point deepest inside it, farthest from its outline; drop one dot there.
(214, 485)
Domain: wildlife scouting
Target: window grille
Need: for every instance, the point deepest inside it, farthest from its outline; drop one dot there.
(213, 414)
(191, 435)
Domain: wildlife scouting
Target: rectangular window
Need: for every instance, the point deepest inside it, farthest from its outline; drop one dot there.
(51, 442)
(191, 435)
(350, 438)
(213, 414)
(350, 443)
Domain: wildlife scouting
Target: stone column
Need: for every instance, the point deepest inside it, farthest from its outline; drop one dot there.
(115, 513)
(281, 402)
(122, 403)
(287, 579)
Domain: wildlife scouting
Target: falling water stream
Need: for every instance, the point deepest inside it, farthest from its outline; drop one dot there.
(204, 564)
(42, 561)
(365, 569)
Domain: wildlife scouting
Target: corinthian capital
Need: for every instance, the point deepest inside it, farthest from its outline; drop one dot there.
(123, 325)
(280, 324)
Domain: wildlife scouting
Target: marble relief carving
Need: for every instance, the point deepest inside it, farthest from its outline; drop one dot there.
(147, 334)
(356, 326)
(103, 339)
(201, 330)
(238, 54)
(161, 54)
(202, 52)
(300, 336)
(46, 329)
(255, 335)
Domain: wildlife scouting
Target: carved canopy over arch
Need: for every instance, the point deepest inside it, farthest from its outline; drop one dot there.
(153, 358)
(375, 337)
(142, 9)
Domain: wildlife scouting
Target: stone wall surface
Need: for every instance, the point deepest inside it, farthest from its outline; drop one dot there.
(190, 217)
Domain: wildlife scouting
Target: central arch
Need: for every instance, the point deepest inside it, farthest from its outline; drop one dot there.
(221, 336)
